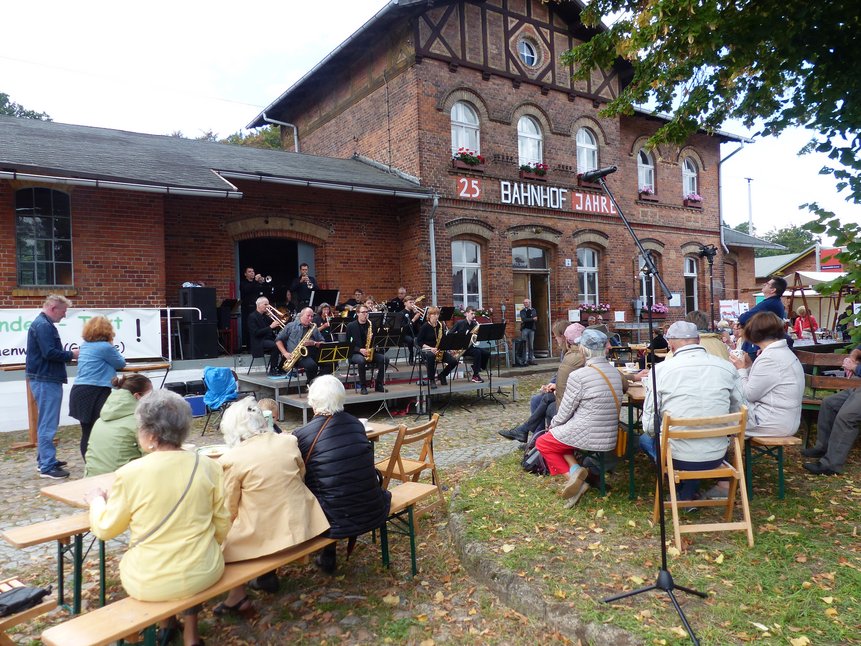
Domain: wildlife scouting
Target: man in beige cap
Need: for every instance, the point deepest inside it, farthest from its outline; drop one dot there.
(693, 383)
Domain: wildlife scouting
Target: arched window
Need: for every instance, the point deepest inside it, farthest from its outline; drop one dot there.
(647, 284)
(527, 53)
(645, 172)
(691, 300)
(587, 275)
(587, 150)
(466, 273)
(464, 128)
(690, 176)
(43, 236)
(530, 142)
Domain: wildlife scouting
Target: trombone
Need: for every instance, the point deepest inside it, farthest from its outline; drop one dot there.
(275, 315)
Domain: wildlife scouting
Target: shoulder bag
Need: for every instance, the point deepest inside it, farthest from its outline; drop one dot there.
(622, 437)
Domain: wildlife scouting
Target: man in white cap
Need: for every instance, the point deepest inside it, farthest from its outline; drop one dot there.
(693, 383)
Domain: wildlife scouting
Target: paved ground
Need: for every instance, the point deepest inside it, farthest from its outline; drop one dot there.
(466, 434)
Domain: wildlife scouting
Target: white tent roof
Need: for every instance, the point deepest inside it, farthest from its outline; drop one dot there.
(810, 278)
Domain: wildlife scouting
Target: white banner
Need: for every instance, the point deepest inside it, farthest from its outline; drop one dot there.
(138, 332)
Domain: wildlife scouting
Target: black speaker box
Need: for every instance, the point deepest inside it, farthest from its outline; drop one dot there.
(199, 341)
(177, 387)
(195, 387)
(203, 298)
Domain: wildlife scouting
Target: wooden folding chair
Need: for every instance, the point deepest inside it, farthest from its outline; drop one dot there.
(731, 426)
(406, 469)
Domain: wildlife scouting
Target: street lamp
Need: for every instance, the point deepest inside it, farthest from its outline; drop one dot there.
(709, 252)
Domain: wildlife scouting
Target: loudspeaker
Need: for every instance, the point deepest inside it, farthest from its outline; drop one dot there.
(203, 298)
(199, 341)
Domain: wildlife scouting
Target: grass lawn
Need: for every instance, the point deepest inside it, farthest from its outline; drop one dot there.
(800, 583)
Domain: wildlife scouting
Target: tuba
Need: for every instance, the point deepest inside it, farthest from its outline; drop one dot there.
(301, 350)
(369, 343)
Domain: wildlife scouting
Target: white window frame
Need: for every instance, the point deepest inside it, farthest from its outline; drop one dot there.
(587, 150)
(691, 274)
(530, 141)
(645, 171)
(585, 271)
(646, 287)
(526, 51)
(462, 297)
(690, 177)
(465, 128)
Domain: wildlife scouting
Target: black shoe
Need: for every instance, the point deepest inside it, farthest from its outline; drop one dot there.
(513, 434)
(433, 385)
(532, 363)
(812, 452)
(265, 583)
(364, 390)
(818, 469)
(325, 563)
(54, 474)
(443, 381)
(381, 389)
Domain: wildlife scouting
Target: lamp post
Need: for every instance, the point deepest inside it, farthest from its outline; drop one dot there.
(709, 252)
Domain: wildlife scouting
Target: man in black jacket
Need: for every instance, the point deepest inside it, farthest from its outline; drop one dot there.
(480, 356)
(339, 468)
(261, 335)
(358, 332)
(303, 285)
(528, 319)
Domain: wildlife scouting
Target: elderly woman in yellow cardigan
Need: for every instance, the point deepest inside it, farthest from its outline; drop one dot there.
(266, 496)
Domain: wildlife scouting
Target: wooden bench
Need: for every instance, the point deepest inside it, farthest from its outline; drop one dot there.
(62, 530)
(128, 617)
(760, 447)
(19, 617)
(818, 385)
(404, 499)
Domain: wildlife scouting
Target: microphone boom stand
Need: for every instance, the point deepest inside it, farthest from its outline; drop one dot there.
(664, 581)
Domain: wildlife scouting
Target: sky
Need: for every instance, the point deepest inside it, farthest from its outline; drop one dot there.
(194, 67)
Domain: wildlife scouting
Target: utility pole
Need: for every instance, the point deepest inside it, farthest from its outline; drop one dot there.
(749, 207)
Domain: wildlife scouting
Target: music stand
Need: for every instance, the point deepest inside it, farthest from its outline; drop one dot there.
(333, 352)
(386, 338)
(337, 326)
(329, 296)
(491, 332)
(446, 313)
(450, 343)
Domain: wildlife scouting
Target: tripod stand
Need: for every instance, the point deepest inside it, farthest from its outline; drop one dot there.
(664, 580)
(491, 332)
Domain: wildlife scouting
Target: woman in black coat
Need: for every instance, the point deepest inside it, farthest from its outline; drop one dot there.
(339, 464)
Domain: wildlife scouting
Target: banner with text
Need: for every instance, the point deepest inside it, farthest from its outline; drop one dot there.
(138, 332)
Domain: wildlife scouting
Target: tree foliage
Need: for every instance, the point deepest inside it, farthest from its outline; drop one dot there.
(773, 64)
(268, 138)
(794, 239)
(12, 109)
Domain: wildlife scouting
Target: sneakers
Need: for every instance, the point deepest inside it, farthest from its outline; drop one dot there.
(816, 468)
(716, 493)
(573, 500)
(514, 434)
(60, 464)
(575, 483)
(364, 390)
(812, 452)
(477, 379)
(55, 474)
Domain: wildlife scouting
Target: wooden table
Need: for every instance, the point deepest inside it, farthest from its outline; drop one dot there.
(375, 430)
(73, 492)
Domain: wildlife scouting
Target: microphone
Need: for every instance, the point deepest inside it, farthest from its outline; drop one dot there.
(598, 173)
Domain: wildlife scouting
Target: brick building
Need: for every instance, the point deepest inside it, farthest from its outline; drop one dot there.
(420, 80)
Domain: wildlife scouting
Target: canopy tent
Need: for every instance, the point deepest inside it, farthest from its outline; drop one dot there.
(823, 307)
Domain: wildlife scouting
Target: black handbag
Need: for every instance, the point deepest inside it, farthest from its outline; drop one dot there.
(21, 598)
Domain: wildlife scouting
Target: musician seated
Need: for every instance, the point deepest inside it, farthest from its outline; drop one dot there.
(323, 321)
(360, 335)
(397, 303)
(301, 332)
(262, 329)
(350, 304)
(409, 322)
(480, 356)
(429, 338)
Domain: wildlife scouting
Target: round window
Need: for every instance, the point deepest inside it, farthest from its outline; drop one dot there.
(527, 53)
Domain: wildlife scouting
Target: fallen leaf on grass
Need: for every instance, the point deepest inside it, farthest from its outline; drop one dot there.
(632, 523)
(507, 548)
(673, 551)
(636, 580)
(827, 599)
(719, 559)
(439, 597)
(560, 594)
(391, 599)
(799, 641)
(599, 513)
(759, 626)
(678, 630)
(831, 612)
(800, 558)
(770, 518)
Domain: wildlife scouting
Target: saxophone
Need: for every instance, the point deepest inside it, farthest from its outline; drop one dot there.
(300, 351)
(369, 343)
(473, 337)
(439, 354)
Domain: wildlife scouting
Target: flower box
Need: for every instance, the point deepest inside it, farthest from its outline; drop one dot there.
(584, 184)
(462, 165)
(648, 197)
(533, 176)
(693, 204)
(656, 316)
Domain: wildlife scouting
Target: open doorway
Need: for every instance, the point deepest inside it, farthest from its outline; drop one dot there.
(532, 280)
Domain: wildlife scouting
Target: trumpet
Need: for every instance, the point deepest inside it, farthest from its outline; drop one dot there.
(276, 316)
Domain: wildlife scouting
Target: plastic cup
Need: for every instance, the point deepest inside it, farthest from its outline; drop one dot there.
(631, 366)
(364, 421)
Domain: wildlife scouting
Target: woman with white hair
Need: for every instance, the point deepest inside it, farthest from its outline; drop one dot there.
(172, 503)
(339, 468)
(269, 504)
(588, 417)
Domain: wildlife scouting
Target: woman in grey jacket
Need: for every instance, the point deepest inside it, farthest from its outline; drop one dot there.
(588, 417)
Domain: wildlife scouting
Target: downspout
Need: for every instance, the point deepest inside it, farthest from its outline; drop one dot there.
(286, 125)
(432, 239)
(720, 186)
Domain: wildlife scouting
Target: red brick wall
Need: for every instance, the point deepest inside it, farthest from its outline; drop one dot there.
(117, 249)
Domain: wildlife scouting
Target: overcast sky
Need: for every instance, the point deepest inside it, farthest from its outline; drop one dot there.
(194, 66)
